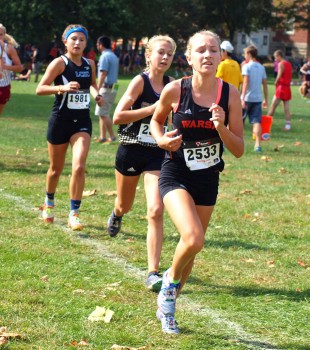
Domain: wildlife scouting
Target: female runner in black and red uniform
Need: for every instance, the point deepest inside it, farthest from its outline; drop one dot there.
(206, 115)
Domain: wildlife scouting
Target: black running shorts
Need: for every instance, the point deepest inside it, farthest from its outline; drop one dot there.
(133, 160)
(60, 130)
(200, 184)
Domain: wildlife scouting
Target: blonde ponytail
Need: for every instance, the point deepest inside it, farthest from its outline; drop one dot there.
(8, 38)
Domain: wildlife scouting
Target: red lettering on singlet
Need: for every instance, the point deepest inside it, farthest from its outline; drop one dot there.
(204, 124)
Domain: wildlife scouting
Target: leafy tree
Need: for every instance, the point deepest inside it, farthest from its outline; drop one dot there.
(231, 16)
(297, 11)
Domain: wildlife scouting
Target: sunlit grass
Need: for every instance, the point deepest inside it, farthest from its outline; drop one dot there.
(250, 285)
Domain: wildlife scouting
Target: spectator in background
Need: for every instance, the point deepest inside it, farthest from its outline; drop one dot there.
(283, 88)
(305, 86)
(275, 68)
(107, 78)
(91, 54)
(36, 62)
(126, 63)
(229, 69)
(254, 77)
(180, 66)
(24, 74)
(9, 62)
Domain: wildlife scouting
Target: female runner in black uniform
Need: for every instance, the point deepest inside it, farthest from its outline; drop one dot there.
(206, 115)
(74, 79)
(138, 152)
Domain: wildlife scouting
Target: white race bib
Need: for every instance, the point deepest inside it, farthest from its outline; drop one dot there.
(145, 132)
(202, 154)
(78, 100)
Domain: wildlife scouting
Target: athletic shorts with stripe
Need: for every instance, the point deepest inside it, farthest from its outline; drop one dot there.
(133, 160)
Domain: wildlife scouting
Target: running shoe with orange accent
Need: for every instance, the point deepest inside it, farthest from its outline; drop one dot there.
(48, 214)
(74, 222)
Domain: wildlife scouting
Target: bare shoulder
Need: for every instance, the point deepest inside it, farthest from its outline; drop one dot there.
(171, 92)
(173, 86)
(57, 65)
(136, 83)
(233, 91)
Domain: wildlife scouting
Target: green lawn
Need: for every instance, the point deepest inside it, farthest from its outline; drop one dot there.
(250, 287)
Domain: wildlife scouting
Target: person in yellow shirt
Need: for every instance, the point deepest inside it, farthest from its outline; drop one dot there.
(229, 69)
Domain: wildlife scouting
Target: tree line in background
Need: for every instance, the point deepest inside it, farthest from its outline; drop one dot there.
(43, 21)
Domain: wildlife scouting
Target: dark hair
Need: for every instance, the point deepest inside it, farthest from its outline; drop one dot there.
(105, 41)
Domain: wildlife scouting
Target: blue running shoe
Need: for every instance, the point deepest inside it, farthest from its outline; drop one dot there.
(168, 323)
(114, 224)
(167, 296)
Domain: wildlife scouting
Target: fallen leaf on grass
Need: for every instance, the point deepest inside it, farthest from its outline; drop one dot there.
(282, 170)
(111, 193)
(270, 262)
(115, 284)
(277, 148)
(3, 340)
(74, 343)
(297, 143)
(250, 260)
(246, 192)
(301, 263)
(266, 158)
(4, 335)
(83, 342)
(130, 240)
(44, 278)
(89, 193)
(120, 347)
(101, 314)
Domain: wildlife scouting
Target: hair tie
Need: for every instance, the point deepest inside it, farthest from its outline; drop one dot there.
(76, 30)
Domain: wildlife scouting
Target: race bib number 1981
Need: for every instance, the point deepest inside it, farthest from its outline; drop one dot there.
(79, 100)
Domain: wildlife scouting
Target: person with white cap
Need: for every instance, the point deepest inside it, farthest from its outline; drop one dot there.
(229, 69)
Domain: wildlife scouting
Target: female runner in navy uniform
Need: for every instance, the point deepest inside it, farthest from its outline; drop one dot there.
(74, 78)
(138, 152)
(206, 115)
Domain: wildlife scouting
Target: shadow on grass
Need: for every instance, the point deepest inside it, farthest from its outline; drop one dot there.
(254, 343)
(241, 291)
(233, 244)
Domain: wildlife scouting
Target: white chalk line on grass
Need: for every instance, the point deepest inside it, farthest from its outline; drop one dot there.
(241, 336)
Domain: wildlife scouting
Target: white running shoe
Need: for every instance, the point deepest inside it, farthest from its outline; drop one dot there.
(74, 222)
(48, 214)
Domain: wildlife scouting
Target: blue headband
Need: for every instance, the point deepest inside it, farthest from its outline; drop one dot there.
(76, 30)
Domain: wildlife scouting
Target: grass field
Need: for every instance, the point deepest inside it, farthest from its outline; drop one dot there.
(250, 287)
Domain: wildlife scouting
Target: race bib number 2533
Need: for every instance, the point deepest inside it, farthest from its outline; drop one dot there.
(202, 154)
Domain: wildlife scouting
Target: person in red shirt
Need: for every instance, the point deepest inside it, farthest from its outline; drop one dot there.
(283, 88)
(91, 54)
